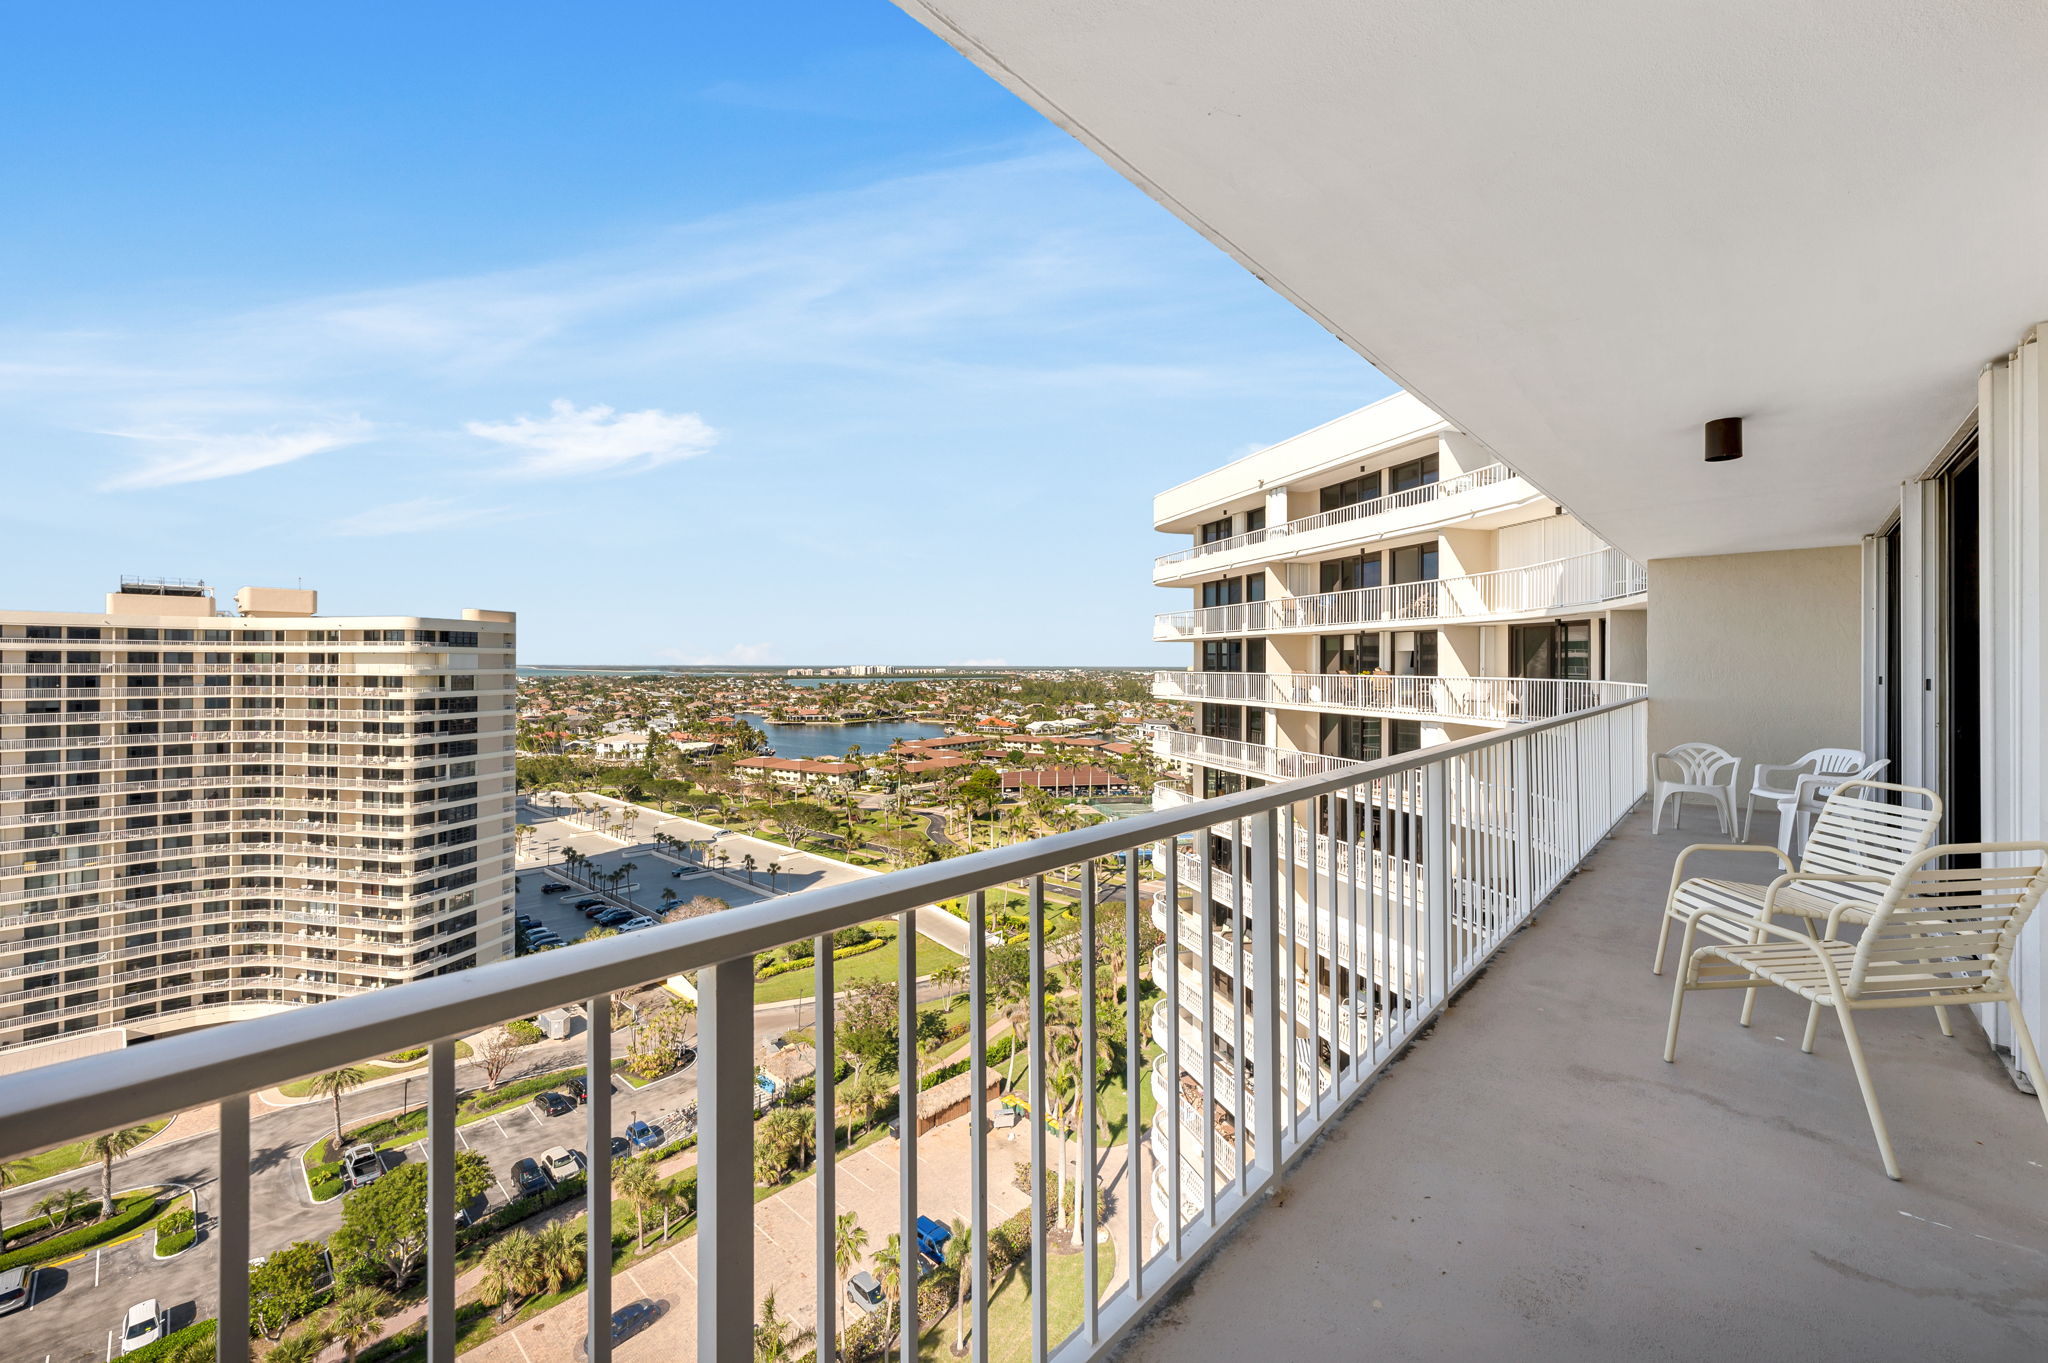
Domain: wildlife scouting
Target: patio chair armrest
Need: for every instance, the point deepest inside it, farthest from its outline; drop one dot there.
(1756, 776)
(1818, 877)
(1678, 867)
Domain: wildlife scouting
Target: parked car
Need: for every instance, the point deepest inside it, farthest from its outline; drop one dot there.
(865, 1293)
(142, 1326)
(931, 1239)
(527, 1176)
(361, 1165)
(524, 920)
(643, 1136)
(627, 1321)
(579, 1089)
(621, 1147)
(611, 918)
(588, 904)
(637, 924)
(543, 938)
(552, 1104)
(562, 1162)
(685, 1055)
(553, 887)
(14, 1289)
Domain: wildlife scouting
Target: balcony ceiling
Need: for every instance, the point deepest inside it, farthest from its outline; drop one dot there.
(1580, 231)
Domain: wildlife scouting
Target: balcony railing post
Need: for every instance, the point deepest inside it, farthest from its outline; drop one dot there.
(1525, 829)
(725, 1157)
(1436, 879)
(231, 1211)
(1271, 981)
(597, 1176)
(441, 1206)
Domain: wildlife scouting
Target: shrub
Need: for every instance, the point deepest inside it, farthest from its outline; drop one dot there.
(327, 1186)
(174, 1344)
(131, 1212)
(851, 937)
(176, 1232)
(801, 950)
(410, 1053)
(524, 1031)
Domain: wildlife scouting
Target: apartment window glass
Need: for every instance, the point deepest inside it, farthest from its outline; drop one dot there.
(1212, 531)
(1415, 563)
(1403, 735)
(1413, 474)
(1350, 654)
(1255, 519)
(1215, 783)
(1224, 591)
(1255, 655)
(1364, 488)
(1351, 736)
(1254, 726)
(1223, 655)
(1223, 721)
(1350, 574)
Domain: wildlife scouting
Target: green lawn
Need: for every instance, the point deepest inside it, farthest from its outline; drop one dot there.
(878, 964)
(1112, 1105)
(1009, 1309)
(60, 1158)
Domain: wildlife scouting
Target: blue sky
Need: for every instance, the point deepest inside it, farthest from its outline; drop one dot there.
(764, 334)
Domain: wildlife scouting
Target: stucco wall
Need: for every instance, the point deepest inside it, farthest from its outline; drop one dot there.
(1758, 653)
(1628, 646)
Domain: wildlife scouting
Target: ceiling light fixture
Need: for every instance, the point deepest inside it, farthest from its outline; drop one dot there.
(1724, 439)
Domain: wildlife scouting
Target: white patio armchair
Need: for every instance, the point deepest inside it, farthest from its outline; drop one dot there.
(1693, 769)
(1937, 935)
(1804, 786)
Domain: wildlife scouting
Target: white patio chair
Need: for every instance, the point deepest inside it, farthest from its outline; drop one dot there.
(1693, 769)
(1937, 936)
(1771, 783)
(1857, 845)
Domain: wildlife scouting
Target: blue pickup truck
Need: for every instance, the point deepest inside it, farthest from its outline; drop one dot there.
(931, 1240)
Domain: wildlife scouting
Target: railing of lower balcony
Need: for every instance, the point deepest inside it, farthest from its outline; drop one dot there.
(1515, 810)
(1488, 476)
(1482, 700)
(1580, 581)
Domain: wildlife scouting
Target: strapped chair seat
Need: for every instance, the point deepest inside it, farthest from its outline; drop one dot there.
(1857, 845)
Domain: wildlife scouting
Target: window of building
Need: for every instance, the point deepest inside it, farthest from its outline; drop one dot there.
(1351, 655)
(1350, 574)
(1224, 591)
(1364, 488)
(1223, 655)
(1211, 531)
(1413, 474)
(1403, 735)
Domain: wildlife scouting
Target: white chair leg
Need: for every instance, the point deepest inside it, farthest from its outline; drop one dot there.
(1877, 1126)
(1657, 814)
(1677, 1003)
(2029, 1057)
(1748, 808)
(1941, 1016)
(1663, 939)
(1812, 1027)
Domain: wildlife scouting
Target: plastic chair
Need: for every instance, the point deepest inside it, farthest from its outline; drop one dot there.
(1694, 770)
(1771, 783)
(1937, 936)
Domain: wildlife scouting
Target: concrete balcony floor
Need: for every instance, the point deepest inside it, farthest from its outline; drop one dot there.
(1533, 1182)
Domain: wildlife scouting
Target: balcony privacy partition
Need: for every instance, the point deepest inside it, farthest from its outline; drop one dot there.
(1481, 832)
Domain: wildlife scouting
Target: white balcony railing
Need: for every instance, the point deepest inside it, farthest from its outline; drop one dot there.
(1580, 581)
(1488, 476)
(1481, 700)
(1527, 803)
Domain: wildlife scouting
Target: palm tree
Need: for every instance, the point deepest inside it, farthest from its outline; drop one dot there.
(774, 869)
(678, 1194)
(776, 1339)
(626, 869)
(849, 1242)
(747, 865)
(332, 1085)
(61, 1207)
(636, 1181)
(560, 1248)
(10, 1173)
(107, 1147)
(302, 1345)
(356, 1318)
(960, 1258)
(511, 1269)
(889, 1273)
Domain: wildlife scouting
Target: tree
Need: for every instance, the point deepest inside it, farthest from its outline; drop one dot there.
(332, 1085)
(510, 1270)
(747, 865)
(906, 847)
(286, 1287)
(494, 1055)
(107, 1147)
(560, 1254)
(774, 869)
(62, 1207)
(867, 1024)
(960, 1258)
(776, 1338)
(889, 1273)
(849, 1242)
(782, 1142)
(10, 1174)
(356, 1318)
(384, 1224)
(636, 1181)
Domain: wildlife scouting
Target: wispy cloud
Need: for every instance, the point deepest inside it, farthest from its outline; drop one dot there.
(174, 454)
(570, 440)
(417, 515)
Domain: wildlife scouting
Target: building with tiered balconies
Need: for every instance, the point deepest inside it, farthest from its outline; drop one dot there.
(206, 816)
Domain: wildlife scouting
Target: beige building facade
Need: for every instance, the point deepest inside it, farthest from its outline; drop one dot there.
(208, 815)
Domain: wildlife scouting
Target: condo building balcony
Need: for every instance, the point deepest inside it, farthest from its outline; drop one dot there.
(1603, 577)
(1465, 700)
(1464, 495)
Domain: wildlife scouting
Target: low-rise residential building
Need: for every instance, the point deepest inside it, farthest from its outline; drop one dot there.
(794, 771)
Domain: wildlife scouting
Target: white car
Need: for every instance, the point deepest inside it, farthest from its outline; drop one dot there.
(143, 1325)
(636, 925)
(561, 1162)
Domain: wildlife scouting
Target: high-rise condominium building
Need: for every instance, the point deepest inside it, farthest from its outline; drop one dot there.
(1374, 586)
(208, 816)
